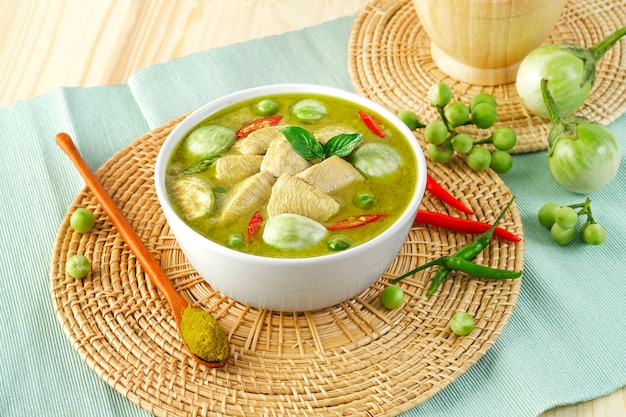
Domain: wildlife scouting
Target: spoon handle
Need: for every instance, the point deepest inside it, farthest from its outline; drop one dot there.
(124, 228)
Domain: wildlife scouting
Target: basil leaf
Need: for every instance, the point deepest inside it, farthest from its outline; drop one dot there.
(200, 166)
(303, 142)
(342, 145)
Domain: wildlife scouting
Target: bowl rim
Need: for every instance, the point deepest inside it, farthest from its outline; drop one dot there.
(210, 108)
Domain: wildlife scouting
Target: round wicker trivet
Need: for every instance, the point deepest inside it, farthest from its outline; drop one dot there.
(389, 62)
(354, 359)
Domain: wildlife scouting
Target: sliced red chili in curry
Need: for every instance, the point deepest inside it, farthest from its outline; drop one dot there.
(254, 224)
(256, 125)
(372, 123)
(355, 221)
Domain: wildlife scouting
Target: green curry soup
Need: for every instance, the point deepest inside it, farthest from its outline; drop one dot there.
(218, 182)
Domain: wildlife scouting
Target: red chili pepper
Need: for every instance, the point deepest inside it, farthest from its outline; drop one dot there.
(254, 224)
(355, 221)
(462, 225)
(256, 125)
(441, 193)
(372, 123)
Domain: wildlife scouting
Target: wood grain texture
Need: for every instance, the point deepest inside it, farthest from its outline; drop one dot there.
(490, 38)
(47, 44)
(56, 43)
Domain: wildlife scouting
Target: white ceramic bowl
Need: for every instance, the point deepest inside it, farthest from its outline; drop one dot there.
(292, 284)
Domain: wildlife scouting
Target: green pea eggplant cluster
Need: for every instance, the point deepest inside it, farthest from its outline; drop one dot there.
(444, 140)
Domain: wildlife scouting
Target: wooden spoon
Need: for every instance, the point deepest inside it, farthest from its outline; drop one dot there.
(125, 229)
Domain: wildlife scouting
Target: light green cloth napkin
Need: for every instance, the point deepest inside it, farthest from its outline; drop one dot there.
(563, 344)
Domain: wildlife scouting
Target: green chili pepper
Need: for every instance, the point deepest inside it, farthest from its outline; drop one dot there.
(460, 261)
(439, 278)
(480, 271)
(454, 263)
(469, 251)
(472, 249)
(439, 261)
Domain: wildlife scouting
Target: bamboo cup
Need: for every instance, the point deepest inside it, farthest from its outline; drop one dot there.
(484, 41)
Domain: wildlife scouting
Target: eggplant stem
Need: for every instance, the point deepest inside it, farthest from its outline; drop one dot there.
(600, 48)
(560, 124)
(444, 119)
(555, 114)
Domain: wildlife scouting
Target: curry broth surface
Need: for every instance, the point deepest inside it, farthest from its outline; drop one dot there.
(392, 194)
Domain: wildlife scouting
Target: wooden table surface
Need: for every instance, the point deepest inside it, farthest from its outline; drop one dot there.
(58, 43)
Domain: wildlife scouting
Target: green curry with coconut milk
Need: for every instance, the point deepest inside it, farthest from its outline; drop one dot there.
(307, 177)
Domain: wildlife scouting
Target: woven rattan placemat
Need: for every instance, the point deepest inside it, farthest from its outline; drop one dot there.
(389, 62)
(356, 358)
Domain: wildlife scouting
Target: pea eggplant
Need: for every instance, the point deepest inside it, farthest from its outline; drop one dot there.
(583, 156)
(571, 70)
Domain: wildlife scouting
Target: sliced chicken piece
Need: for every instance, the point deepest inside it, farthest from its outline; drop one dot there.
(331, 174)
(234, 168)
(247, 196)
(325, 133)
(292, 195)
(282, 158)
(257, 142)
